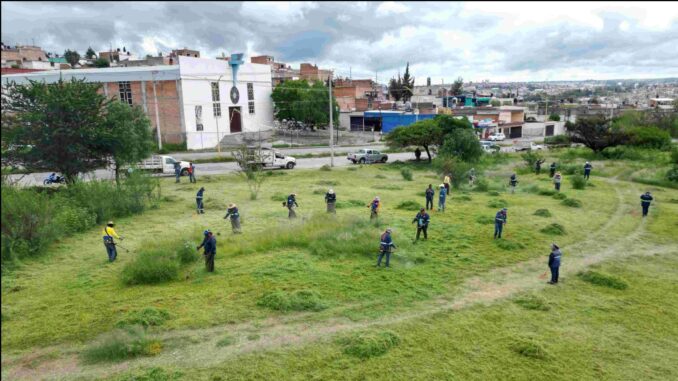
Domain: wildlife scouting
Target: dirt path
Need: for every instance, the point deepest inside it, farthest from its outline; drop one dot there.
(198, 347)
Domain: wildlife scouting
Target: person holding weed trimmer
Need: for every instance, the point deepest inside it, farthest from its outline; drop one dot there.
(422, 219)
(513, 182)
(554, 263)
(499, 222)
(374, 206)
(235, 218)
(587, 170)
(210, 245)
(108, 234)
(385, 246)
(645, 201)
(430, 193)
(331, 201)
(552, 169)
(291, 204)
(198, 200)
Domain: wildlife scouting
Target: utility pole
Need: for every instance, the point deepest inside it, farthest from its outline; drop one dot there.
(331, 123)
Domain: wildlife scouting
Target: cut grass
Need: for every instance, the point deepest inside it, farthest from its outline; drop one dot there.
(225, 341)
(530, 348)
(146, 317)
(542, 213)
(302, 300)
(554, 229)
(497, 204)
(369, 344)
(409, 205)
(121, 345)
(572, 203)
(532, 302)
(604, 280)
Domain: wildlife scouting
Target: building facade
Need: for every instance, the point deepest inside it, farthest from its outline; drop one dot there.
(190, 102)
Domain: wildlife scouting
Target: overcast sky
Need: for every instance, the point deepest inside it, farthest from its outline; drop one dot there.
(478, 40)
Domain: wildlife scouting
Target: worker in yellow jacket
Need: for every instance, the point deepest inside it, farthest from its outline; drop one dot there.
(446, 182)
(108, 235)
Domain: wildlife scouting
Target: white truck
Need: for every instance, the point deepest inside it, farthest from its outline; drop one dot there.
(267, 157)
(527, 146)
(163, 164)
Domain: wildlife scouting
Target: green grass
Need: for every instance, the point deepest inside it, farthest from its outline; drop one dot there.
(301, 300)
(369, 344)
(146, 317)
(605, 280)
(542, 213)
(572, 203)
(554, 229)
(120, 345)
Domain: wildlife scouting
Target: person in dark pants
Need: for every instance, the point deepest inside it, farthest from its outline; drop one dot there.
(557, 179)
(537, 166)
(108, 234)
(235, 218)
(422, 219)
(374, 206)
(331, 201)
(291, 205)
(442, 195)
(417, 153)
(513, 181)
(191, 172)
(177, 171)
(499, 222)
(587, 170)
(430, 193)
(210, 245)
(198, 200)
(554, 263)
(552, 170)
(645, 201)
(385, 246)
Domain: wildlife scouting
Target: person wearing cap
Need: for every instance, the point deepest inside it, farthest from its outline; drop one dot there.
(210, 245)
(442, 195)
(513, 181)
(554, 263)
(430, 193)
(422, 219)
(191, 173)
(645, 201)
(374, 206)
(537, 166)
(331, 201)
(552, 169)
(291, 205)
(177, 171)
(108, 235)
(385, 246)
(198, 200)
(446, 182)
(499, 222)
(557, 179)
(587, 170)
(235, 217)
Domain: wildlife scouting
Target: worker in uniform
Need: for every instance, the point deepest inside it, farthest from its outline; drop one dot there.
(198, 200)
(554, 263)
(552, 169)
(537, 166)
(557, 179)
(108, 235)
(446, 182)
(374, 206)
(422, 219)
(513, 181)
(587, 170)
(210, 245)
(177, 171)
(442, 195)
(645, 201)
(499, 222)
(233, 213)
(331, 201)
(430, 193)
(385, 245)
(291, 205)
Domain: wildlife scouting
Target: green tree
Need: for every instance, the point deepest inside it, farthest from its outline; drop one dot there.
(249, 167)
(424, 133)
(101, 62)
(72, 57)
(554, 117)
(595, 132)
(61, 123)
(395, 88)
(463, 144)
(457, 86)
(90, 54)
(495, 102)
(303, 102)
(407, 85)
(449, 123)
(128, 138)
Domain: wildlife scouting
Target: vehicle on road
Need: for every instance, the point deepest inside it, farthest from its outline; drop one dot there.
(163, 164)
(527, 146)
(54, 180)
(497, 137)
(489, 146)
(367, 156)
(268, 157)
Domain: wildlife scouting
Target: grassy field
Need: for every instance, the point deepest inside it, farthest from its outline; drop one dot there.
(302, 299)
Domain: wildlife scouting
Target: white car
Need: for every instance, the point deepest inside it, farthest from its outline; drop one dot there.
(497, 136)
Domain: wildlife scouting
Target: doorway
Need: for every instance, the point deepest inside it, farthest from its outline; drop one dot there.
(234, 117)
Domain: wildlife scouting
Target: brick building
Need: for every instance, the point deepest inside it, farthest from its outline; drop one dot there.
(189, 102)
(312, 73)
(24, 57)
(355, 94)
(280, 72)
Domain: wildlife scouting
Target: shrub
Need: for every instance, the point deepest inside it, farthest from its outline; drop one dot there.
(497, 204)
(578, 181)
(457, 168)
(572, 203)
(531, 156)
(279, 197)
(558, 140)
(121, 344)
(186, 253)
(531, 349)
(225, 341)
(509, 245)
(485, 220)
(409, 205)
(605, 280)
(553, 229)
(532, 302)
(559, 196)
(542, 213)
(648, 137)
(73, 219)
(326, 168)
(302, 300)
(406, 173)
(571, 169)
(369, 344)
(146, 318)
(481, 185)
(149, 267)
(319, 191)
(672, 174)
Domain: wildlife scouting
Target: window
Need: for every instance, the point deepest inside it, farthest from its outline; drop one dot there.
(198, 118)
(125, 92)
(250, 97)
(216, 105)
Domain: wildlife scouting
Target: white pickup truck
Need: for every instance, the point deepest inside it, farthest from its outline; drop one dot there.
(163, 164)
(525, 146)
(267, 157)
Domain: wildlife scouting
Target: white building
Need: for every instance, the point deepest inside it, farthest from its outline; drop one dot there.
(191, 102)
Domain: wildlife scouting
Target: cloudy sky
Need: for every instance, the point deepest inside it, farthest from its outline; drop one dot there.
(478, 40)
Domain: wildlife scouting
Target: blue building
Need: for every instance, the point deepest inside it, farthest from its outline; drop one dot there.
(386, 121)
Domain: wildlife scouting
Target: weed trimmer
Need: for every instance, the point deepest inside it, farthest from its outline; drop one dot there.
(122, 247)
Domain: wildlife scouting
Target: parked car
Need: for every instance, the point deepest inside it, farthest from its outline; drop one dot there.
(163, 164)
(489, 146)
(525, 146)
(367, 156)
(497, 136)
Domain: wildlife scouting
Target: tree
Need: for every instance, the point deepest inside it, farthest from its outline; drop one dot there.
(62, 123)
(457, 86)
(595, 132)
(72, 57)
(128, 137)
(395, 88)
(407, 85)
(423, 133)
(90, 53)
(249, 168)
(495, 102)
(448, 124)
(554, 118)
(101, 62)
(297, 100)
(463, 144)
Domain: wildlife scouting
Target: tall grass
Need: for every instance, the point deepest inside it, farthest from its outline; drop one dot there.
(121, 344)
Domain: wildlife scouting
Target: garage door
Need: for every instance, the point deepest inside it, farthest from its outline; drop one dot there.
(516, 132)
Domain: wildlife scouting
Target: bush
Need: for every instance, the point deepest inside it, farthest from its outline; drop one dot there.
(369, 344)
(73, 219)
(497, 204)
(558, 140)
(302, 300)
(150, 267)
(481, 185)
(532, 302)
(532, 188)
(409, 205)
(493, 193)
(571, 169)
(553, 229)
(649, 137)
(578, 181)
(457, 168)
(572, 203)
(531, 156)
(406, 173)
(600, 279)
(326, 168)
(120, 345)
(146, 318)
(542, 213)
(186, 253)
(672, 174)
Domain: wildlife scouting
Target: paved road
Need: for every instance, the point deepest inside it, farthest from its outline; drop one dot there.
(287, 151)
(208, 168)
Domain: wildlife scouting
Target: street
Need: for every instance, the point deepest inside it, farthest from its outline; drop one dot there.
(187, 156)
